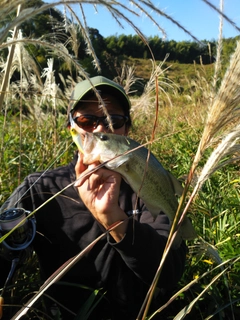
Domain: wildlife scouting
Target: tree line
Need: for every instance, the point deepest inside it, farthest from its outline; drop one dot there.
(181, 51)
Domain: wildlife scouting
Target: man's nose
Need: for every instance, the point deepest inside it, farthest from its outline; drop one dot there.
(101, 128)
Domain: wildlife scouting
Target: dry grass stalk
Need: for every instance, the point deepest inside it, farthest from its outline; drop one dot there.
(127, 77)
(145, 104)
(84, 31)
(223, 114)
(222, 14)
(222, 124)
(219, 48)
(5, 82)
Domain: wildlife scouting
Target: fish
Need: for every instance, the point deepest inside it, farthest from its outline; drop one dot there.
(158, 188)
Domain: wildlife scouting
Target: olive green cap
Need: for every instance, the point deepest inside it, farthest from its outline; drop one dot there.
(102, 84)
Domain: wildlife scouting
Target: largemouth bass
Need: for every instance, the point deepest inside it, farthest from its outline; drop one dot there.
(157, 189)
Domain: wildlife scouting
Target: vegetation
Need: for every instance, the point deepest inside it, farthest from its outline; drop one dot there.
(112, 50)
(34, 137)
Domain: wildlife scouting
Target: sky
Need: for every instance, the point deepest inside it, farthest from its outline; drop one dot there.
(195, 15)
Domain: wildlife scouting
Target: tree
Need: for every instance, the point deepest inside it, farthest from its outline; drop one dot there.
(42, 24)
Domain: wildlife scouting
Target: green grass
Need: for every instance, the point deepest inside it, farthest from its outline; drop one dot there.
(214, 212)
(178, 72)
(29, 144)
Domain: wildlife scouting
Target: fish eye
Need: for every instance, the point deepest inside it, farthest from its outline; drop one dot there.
(103, 137)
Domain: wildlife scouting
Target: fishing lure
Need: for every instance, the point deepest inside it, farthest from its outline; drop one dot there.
(75, 135)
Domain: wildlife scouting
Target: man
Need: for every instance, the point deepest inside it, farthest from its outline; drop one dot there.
(123, 263)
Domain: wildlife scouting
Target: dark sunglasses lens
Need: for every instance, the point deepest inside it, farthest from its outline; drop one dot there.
(86, 122)
(118, 121)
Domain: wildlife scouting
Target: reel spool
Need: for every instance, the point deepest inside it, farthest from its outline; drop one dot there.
(21, 238)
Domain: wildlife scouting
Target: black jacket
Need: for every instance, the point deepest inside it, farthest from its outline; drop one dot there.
(123, 270)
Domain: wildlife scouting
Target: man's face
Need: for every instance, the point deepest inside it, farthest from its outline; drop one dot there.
(90, 107)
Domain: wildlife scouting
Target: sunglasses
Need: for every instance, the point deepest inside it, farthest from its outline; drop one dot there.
(89, 122)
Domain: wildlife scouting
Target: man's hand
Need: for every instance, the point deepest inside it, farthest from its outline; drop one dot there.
(100, 192)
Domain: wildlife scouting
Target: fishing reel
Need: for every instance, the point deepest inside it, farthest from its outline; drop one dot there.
(20, 239)
(16, 248)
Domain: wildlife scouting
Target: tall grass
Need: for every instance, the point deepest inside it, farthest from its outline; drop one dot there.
(197, 139)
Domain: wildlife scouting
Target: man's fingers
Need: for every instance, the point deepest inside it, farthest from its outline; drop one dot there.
(82, 177)
(80, 167)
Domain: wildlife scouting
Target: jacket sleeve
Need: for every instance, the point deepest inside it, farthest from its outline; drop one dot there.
(20, 198)
(143, 246)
